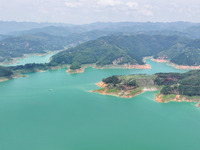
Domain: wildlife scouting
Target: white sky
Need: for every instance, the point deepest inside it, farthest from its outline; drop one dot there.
(87, 11)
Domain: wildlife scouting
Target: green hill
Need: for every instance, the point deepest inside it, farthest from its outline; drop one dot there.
(187, 84)
(5, 72)
(29, 44)
(183, 53)
(40, 42)
(105, 50)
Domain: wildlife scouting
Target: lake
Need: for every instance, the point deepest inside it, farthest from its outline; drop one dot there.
(54, 110)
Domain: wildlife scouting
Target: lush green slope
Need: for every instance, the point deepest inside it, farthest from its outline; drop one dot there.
(32, 67)
(28, 44)
(123, 49)
(97, 51)
(5, 72)
(175, 83)
(48, 39)
(142, 45)
(183, 53)
(9, 72)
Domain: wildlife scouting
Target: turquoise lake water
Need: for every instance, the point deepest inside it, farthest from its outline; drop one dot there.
(54, 110)
(33, 59)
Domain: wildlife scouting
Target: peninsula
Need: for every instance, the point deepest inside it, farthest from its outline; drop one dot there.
(172, 86)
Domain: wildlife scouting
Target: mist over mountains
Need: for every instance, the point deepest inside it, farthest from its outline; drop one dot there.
(19, 38)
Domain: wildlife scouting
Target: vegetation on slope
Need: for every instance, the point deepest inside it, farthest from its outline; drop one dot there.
(13, 71)
(131, 48)
(126, 86)
(5, 72)
(48, 39)
(186, 84)
(29, 44)
(182, 84)
(183, 53)
(99, 52)
(116, 49)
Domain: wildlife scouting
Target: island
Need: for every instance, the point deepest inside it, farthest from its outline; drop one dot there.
(171, 86)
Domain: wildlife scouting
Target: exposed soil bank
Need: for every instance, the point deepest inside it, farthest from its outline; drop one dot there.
(72, 71)
(162, 60)
(160, 98)
(3, 79)
(121, 93)
(176, 98)
(125, 66)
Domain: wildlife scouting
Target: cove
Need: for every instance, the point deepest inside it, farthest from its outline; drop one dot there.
(54, 110)
(33, 59)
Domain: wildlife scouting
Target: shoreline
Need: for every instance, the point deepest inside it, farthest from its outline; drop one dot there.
(125, 66)
(111, 66)
(159, 98)
(3, 79)
(20, 73)
(70, 71)
(120, 93)
(183, 67)
(16, 59)
(80, 70)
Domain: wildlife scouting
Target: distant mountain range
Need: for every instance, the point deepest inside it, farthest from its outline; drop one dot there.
(8, 27)
(122, 42)
(11, 27)
(40, 42)
(29, 44)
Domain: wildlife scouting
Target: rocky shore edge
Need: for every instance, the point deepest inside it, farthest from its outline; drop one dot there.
(176, 98)
(125, 66)
(119, 93)
(162, 60)
(158, 97)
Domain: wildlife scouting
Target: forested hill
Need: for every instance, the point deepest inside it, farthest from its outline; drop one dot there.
(28, 44)
(5, 72)
(179, 83)
(121, 48)
(40, 42)
(156, 41)
(183, 53)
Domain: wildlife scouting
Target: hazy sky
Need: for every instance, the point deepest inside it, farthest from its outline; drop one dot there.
(87, 11)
